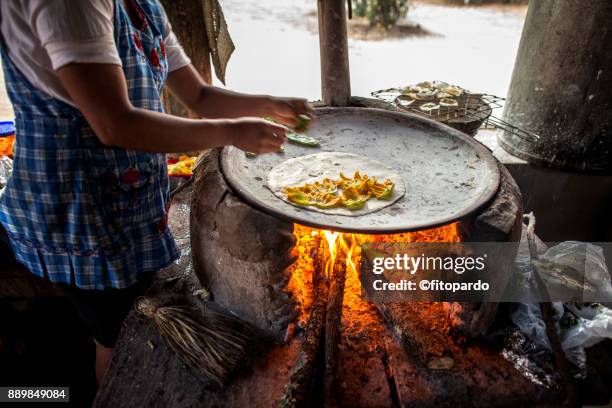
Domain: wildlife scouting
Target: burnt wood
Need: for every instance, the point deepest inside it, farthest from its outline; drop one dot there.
(436, 368)
(296, 393)
(332, 328)
(365, 377)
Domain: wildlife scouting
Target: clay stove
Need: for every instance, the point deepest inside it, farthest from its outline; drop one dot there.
(299, 284)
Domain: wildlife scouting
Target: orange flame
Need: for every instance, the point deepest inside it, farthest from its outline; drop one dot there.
(300, 281)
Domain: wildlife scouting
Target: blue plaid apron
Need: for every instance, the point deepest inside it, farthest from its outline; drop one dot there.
(79, 212)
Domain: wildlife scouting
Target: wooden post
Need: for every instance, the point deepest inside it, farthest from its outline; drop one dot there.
(187, 19)
(333, 43)
(561, 85)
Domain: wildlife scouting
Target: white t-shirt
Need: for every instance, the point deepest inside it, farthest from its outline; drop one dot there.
(44, 35)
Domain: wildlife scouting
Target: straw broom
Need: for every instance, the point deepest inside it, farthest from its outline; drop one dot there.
(208, 341)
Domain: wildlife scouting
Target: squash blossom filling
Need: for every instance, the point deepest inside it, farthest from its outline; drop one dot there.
(351, 193)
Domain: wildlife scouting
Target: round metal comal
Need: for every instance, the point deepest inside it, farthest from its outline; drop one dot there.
(447, 174)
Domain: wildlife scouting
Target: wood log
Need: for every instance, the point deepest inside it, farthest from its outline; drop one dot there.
(332, 328)
(187, 19)
(333, 43)
(362, 360)
(297, 390)
(433, 368)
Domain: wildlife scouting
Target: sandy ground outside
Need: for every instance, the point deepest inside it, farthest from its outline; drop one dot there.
(277, 49)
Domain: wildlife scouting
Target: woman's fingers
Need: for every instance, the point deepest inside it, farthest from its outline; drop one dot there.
(290, 121)
(287, 110)
(278, 132)
(272, 138)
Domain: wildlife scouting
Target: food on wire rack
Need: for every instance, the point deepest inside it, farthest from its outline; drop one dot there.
(432, 90)
(419, 96)
(453, 90)
(456, 106)
(429, 106)
(448, 102)
(404, 100)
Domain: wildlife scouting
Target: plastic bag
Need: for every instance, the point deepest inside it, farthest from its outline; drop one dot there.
(575, 271)
(580, 324)
(528, 319)
(594, 324)
(6, 168)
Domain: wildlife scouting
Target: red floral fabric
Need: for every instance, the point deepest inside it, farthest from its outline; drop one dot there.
(154, 58)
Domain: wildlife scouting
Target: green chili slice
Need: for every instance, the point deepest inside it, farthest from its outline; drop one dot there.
(303, 140)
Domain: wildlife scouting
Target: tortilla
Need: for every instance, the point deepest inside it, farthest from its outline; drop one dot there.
(315, 167)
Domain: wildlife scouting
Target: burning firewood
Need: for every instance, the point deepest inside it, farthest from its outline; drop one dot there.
(296, 389)
(332, 325)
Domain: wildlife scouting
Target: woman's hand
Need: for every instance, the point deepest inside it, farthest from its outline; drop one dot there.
(286, 110)
(257, 135)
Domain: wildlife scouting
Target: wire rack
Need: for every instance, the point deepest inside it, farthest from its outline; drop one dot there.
(483, 110)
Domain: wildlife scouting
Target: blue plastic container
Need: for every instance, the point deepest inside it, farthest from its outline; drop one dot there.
(7, 128)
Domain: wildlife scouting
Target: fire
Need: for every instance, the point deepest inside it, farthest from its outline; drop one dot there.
(331, 238)
(349, 245)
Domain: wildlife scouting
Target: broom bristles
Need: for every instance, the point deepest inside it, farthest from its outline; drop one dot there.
(207, 342)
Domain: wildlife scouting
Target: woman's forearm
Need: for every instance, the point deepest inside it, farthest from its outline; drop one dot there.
(107, 108)
(150, 131)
